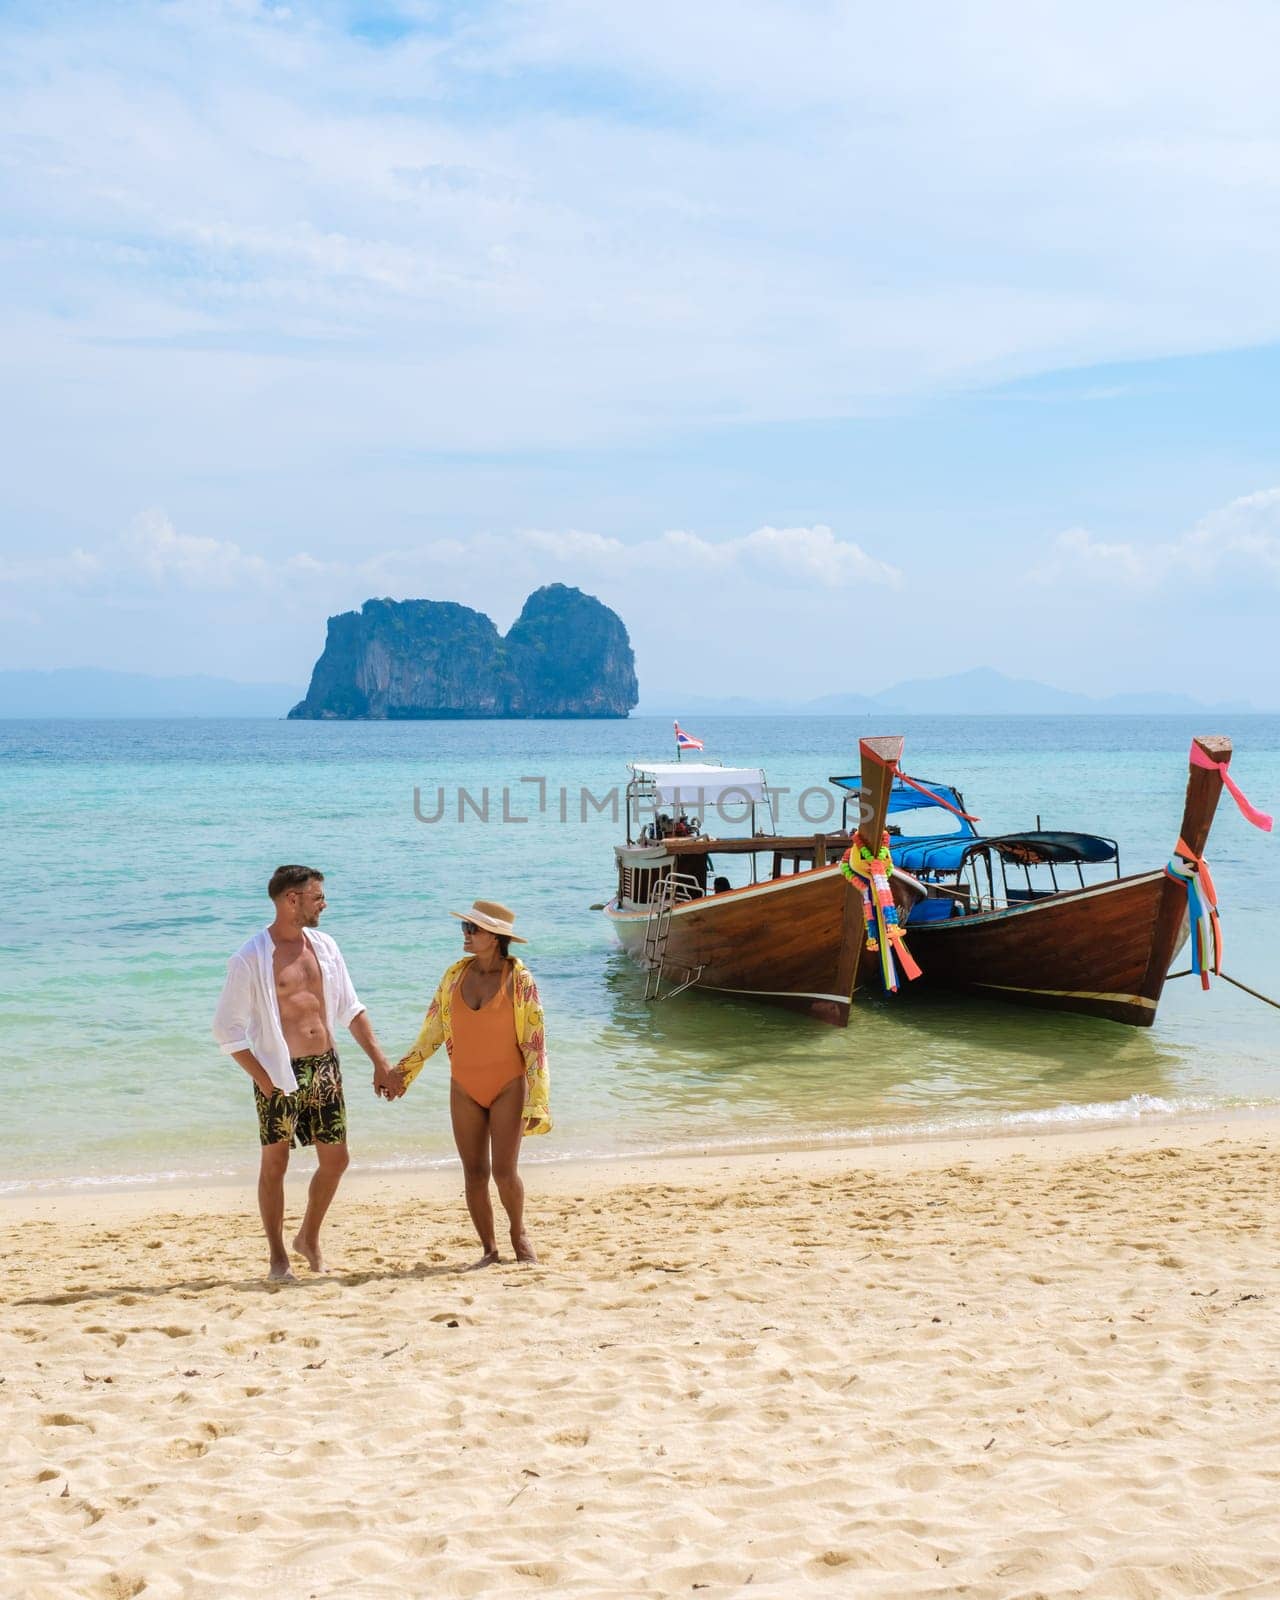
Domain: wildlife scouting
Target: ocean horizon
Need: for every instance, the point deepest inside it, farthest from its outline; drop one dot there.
(139, 852)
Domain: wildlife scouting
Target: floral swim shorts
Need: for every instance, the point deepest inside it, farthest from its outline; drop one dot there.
(315, 1113)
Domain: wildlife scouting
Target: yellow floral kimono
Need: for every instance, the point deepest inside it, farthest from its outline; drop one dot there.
(437, 1030)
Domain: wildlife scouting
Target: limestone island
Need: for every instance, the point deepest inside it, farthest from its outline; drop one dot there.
(566, 655)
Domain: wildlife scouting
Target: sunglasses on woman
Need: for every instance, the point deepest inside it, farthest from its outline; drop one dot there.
(471, 927)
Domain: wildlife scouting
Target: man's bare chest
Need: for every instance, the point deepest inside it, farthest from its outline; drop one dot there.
(297, 974)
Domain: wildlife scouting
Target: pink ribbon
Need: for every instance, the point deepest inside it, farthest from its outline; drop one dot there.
(1260, 819)
(895, 771)
(933, 795)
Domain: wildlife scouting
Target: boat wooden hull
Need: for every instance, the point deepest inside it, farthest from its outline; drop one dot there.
(1088, 950)
(786, 942)
(1104, 951)
(796, 941)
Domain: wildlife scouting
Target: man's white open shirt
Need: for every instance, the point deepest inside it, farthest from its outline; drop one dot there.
(248, 1014)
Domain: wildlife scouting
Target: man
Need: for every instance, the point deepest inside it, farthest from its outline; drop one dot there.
(286, 994)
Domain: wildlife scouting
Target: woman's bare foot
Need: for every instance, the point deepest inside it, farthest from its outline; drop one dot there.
(523, 1249)
(489, 1259)
(281, 1271)
(311, 1253)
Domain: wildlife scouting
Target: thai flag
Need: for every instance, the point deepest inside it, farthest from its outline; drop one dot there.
(684, 742)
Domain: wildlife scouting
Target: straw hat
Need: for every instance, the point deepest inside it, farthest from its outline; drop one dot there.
(489, 914)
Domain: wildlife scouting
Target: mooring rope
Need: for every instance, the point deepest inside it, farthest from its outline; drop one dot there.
(1226, 977)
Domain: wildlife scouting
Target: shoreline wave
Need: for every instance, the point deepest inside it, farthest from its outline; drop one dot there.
(1063, 1118)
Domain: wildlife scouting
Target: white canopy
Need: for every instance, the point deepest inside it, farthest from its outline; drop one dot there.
(690, 783)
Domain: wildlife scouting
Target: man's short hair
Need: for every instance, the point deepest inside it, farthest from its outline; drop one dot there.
(285, 878)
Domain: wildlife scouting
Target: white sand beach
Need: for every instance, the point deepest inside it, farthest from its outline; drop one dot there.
(1004, 1368)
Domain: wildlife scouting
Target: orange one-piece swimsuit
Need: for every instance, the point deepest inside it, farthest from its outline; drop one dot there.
(486, 1053)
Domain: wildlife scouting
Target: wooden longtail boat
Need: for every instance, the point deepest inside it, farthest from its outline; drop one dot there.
(1104, 949)
(793, 938)
(797, 938)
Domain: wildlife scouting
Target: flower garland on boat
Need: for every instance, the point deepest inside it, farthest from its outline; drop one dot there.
(872, 871)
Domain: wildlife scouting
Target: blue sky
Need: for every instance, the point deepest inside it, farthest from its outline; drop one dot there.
(830, 346)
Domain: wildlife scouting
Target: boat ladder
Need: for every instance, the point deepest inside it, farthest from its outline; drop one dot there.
(667, 893)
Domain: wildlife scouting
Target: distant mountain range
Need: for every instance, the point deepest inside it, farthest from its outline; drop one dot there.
(90, 692)
(980, 692)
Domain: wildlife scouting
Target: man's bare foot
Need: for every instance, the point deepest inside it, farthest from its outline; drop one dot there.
(281, 1271)
(489, 1259)
(524, 1250)
(311, 1254)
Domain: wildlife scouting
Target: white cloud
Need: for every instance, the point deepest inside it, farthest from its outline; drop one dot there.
(150, 554)
(154, 549)
(708, 608)
(565, 222)
(1238, 544)
(1077, 556)
(559, 263)
(593, 548)
(1243, 537)
(153, 554)
(791, 557)
(813, 555)
(75, 568)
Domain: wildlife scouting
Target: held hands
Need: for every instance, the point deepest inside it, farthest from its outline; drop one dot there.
(388, 1082)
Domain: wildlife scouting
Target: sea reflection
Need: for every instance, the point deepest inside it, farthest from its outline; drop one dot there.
(697, 1065)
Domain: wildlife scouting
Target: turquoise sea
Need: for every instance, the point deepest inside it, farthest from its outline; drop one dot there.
(136, 856)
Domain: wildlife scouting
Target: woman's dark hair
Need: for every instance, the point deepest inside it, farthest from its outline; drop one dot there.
(504, 944)
(286, 878)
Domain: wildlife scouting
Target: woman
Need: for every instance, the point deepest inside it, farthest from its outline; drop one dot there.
(487, 1014)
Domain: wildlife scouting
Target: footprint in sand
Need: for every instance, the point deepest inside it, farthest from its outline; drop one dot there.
(61, 1419)
(186, 1450)
(116, 1586)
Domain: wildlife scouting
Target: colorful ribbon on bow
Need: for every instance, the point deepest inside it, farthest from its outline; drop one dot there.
(1192, 872)
(884, 935)
(1260, 819)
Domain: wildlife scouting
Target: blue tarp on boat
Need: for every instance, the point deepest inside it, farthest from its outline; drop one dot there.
(946, 852)
(902, 797)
